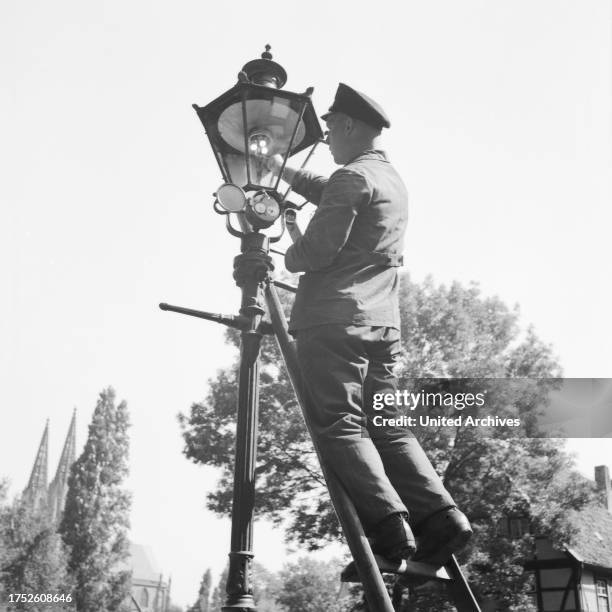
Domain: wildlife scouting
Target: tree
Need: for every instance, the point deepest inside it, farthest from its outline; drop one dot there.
(310, 585)
(266, 586)
(306, 585)
(448, 332)
(95, 520)
(32, 554)
(5, 546)
(218, 596)
(203, 602)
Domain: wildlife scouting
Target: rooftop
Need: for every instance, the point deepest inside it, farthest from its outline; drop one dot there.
(593, 544)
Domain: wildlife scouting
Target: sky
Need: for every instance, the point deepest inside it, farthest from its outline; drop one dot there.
(501, 128)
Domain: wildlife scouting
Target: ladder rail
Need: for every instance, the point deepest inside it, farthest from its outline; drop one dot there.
(460, 589)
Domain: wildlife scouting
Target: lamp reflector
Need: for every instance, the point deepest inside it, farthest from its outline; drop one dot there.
(274, 118)
(231, 197)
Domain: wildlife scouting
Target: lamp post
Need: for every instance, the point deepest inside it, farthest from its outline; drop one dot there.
(247, 125)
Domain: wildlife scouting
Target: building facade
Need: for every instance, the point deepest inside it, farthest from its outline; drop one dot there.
(578, 579)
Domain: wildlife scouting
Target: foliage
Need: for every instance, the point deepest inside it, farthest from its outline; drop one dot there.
(203, 602)
(32, 554)
(5, 546)
(218, 595)
(95, 518)
(307, 585)
(310, 585)
(448, 332)
(266, 586)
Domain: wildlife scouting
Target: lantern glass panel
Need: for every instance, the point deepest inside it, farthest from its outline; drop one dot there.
(270, 125)
(255, 122)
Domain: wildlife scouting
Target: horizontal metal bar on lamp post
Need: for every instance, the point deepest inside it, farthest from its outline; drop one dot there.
(237, 322)
(285, 286)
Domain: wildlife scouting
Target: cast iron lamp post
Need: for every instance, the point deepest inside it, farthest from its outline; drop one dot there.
(246, 126)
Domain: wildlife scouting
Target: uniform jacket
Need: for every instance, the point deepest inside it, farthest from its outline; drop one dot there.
(352, 246)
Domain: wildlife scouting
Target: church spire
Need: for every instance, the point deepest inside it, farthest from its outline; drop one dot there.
(36, 490)
(59, 486)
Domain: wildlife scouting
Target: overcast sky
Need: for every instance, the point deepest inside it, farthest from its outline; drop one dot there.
(501, 129)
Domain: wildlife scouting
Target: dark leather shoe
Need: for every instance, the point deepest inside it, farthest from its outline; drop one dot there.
(442, 535)
(392, 538)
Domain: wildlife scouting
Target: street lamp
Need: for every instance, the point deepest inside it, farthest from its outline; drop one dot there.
(246, 126)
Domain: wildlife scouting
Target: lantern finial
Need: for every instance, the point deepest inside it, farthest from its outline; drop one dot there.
(264, 71)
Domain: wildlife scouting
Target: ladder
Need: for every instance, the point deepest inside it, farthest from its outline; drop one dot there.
(414, 571)
(366, 568)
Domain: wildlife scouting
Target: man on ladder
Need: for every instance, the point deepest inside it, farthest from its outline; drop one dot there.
(346, 322)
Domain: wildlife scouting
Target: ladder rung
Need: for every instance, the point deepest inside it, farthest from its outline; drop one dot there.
(405, 568)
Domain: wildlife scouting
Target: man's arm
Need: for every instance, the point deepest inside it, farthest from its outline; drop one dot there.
(303, 182)
(308, 184)
(345, 194)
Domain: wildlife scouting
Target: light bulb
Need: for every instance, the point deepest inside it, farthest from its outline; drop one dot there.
(259, 144)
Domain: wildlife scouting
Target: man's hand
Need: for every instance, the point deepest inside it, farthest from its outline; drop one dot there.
(291, 225)
(275, 162)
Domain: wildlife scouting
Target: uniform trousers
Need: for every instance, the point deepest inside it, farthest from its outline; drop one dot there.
(383, 468)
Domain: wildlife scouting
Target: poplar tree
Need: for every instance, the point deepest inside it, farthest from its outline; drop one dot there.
(96, 515)
(203, 602)
(219, 596)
